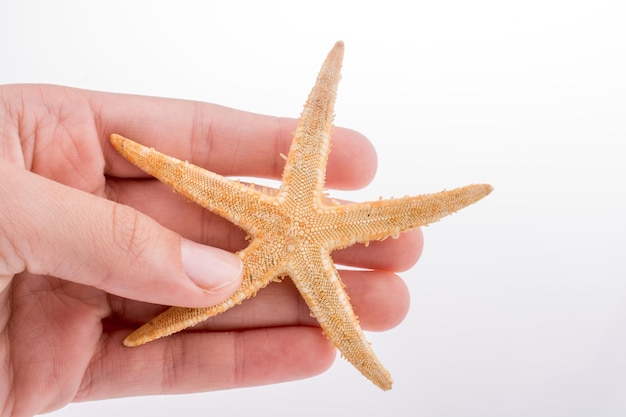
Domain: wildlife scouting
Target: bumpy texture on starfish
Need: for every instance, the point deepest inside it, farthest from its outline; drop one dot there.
(292, 232)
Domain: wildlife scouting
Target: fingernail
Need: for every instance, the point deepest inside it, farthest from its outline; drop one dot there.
(208, 267)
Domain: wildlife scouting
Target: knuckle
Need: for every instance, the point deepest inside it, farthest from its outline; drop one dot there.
(11, 262)
(126, 233)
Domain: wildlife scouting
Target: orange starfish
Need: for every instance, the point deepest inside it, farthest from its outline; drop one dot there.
(291, 230)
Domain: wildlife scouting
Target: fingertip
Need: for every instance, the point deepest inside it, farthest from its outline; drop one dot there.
(216, 271)
(414, 241)
(352, 161)
(395, 255)
(381, 299)
(153, 264)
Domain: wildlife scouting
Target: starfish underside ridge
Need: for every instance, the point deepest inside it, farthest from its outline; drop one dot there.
(292, 231)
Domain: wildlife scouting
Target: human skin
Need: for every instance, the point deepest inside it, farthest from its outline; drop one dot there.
(90, 247)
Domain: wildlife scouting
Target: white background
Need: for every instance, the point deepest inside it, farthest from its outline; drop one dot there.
(519, 302)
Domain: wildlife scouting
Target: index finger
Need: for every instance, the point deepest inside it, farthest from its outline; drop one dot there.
(224, 140)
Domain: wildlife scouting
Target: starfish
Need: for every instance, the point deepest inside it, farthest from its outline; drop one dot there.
(293, 230)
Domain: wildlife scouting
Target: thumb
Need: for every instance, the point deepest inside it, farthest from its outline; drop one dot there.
(51, 229)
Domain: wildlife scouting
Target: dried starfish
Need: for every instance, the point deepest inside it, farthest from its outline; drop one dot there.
(292, 232)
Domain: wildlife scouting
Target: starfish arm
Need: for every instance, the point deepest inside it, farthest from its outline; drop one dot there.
(364, 222)
(317, 279)
(230, 199)
(260, 267)
(304, 173)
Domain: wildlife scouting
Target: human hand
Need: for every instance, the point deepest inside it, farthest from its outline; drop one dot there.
(90, 247)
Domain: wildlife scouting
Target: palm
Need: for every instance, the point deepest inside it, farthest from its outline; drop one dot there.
(53, 331)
